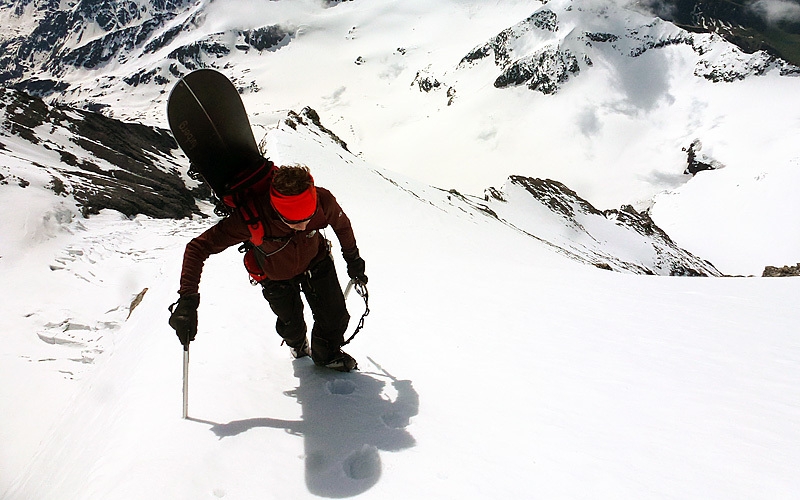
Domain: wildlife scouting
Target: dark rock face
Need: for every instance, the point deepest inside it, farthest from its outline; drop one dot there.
(197, 55)
(556, 196)
(265, 38)
(127, 25)
(696, 162)
(780, 272)
(55, 45)
(544, 71)
(105, 163)
(738, 22)
(104, 49)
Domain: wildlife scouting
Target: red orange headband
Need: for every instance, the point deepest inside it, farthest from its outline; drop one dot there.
(295, 208)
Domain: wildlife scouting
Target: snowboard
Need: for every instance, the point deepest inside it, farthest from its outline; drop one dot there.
(210, 124)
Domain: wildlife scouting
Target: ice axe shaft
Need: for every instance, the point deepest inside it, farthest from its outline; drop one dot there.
(382, 369)
(186, 381)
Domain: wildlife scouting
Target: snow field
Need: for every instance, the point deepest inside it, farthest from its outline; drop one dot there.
(490, 366)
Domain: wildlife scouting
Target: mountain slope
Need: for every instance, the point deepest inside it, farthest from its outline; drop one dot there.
(88, 163)
(443, 93)
(492, 366)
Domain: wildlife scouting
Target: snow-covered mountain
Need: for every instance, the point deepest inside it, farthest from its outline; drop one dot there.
(78, 163)
(609, 101)
(49, 43)
(493, 363)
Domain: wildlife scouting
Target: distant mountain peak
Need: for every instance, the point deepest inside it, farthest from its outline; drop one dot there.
(537, 53)
(53, 48)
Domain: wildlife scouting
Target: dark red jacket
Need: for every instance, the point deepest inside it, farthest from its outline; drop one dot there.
(291, 252)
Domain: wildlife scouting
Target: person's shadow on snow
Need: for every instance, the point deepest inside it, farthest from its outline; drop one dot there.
(347, 418)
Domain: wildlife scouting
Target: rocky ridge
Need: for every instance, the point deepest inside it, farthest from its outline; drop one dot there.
(781, 272)
(620, 240)
(98, 162)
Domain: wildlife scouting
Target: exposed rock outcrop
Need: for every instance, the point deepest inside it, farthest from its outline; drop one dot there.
(779, 272)
(104, 163)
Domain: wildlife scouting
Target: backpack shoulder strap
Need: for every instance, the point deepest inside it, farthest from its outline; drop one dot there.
(242, 198)
(252, 217)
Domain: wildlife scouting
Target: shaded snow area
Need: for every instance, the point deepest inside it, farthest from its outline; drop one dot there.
(491, 365)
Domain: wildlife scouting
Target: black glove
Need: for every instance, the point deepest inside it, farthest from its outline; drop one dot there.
(184, 317)
(355, 269)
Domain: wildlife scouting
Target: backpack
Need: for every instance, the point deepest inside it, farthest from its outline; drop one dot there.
(243, 189)
(239, 196)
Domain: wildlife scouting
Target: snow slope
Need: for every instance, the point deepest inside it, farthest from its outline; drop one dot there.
(491, 367)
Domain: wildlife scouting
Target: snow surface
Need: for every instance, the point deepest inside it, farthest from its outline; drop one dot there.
(491, 367)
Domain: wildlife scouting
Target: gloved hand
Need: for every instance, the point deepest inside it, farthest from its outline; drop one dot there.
(355, 269)
(184, 317)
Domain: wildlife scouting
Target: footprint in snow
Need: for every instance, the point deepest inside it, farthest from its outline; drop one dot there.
(342, 387)
(363, 464)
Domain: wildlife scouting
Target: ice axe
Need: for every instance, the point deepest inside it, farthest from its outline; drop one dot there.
(182, 326)
(358, 286)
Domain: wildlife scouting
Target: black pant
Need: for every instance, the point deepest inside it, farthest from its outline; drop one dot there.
(323, 293)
